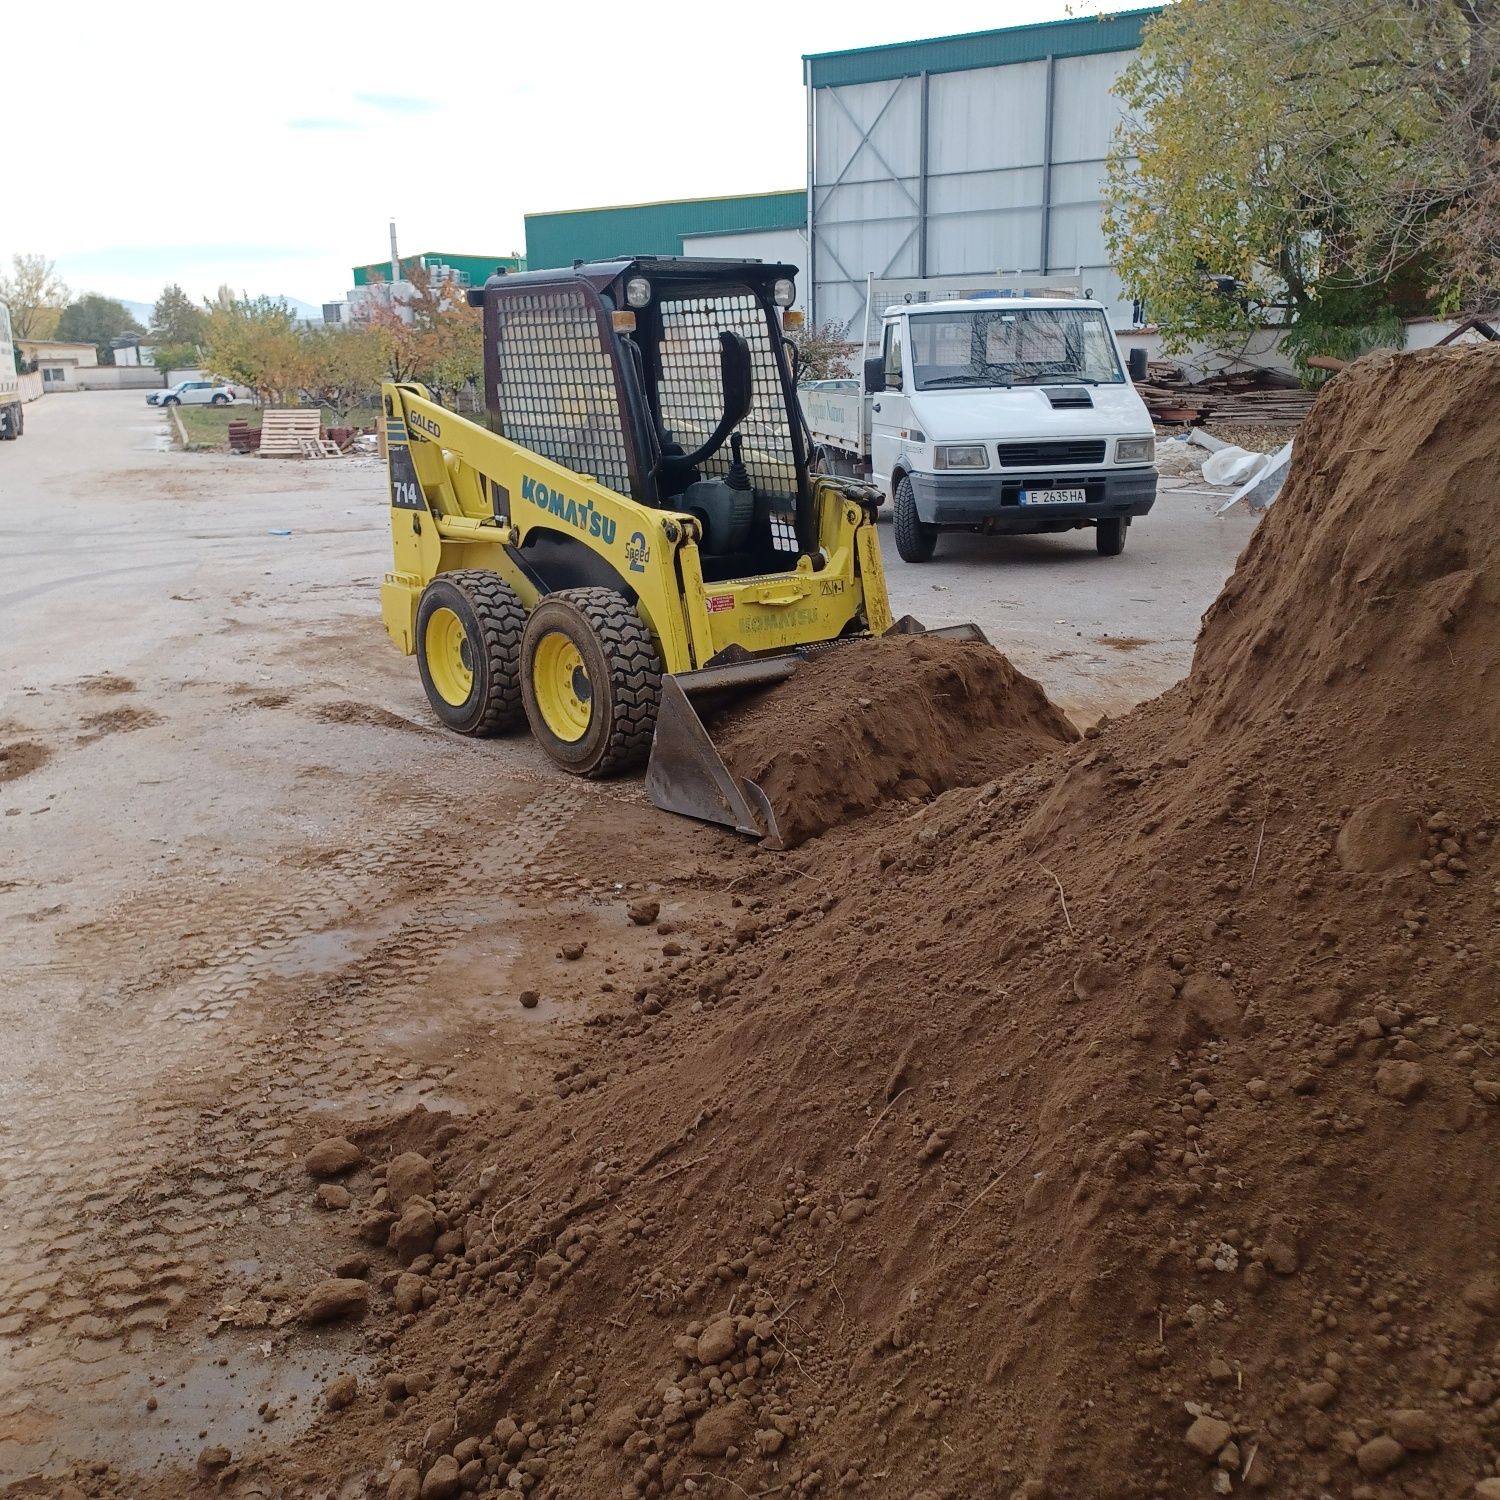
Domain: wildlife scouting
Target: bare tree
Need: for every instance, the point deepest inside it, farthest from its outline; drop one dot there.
(35, 294)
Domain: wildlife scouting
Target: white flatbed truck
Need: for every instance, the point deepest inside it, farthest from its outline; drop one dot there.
(1004, 415)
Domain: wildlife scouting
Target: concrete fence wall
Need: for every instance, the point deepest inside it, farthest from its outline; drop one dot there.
(31, 386)
(115, 378)
(1263, 351)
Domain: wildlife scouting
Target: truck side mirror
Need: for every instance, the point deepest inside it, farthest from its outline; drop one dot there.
(874, 374)
(1135, 363)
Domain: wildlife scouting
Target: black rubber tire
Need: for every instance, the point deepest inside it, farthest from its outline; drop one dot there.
(218, 401)
(12, 424)
(624, 671)
(1109, 535)
(493, 619)
(915, 542)
(170, 401)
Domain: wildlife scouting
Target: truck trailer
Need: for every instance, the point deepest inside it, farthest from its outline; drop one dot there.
(12, 418)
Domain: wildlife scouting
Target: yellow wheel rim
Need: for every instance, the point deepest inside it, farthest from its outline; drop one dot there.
(450, 665)
(562, 687)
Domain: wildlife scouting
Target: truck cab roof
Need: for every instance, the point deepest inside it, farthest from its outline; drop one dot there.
(988, 304)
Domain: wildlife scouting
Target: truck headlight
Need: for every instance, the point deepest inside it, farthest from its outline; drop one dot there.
(784, 291)
(637, 291)
(1135, 450)
(961, 456)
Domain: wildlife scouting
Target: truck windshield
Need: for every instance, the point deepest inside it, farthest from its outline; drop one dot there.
(1012, 345)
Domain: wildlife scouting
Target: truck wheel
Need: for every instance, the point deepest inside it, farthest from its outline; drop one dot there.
(1109, 535)
(469, 626)
(12, 423)
(915, 542)
(591, 681)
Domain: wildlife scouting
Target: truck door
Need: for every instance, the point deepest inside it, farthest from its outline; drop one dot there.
(890, 409)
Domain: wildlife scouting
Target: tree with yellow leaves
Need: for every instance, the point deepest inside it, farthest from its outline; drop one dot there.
(1323, 166)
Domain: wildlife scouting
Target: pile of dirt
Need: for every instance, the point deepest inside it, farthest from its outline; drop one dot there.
(1124, 1127)
(21, 758)
(900, 717)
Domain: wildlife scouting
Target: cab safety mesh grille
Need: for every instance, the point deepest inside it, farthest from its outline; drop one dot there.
(557, 384)
(691, 388)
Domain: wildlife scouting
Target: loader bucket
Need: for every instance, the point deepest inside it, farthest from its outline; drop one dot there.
(687, 774)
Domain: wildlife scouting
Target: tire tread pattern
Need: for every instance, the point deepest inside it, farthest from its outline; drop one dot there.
(502, 617)
(915, 542)
(635, 675)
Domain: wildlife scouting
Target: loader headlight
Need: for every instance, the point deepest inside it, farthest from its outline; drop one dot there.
(637, 291)
(961, 456)
(784, 292)
(1135, 450)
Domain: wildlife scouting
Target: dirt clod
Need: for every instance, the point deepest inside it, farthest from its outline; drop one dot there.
(340, 1392)
(338, 1297)
(410, 1175)
(332, 1158)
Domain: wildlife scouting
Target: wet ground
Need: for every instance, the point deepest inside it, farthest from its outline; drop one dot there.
(251, 896)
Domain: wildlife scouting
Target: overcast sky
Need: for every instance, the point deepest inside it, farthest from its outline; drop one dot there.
(267, 146)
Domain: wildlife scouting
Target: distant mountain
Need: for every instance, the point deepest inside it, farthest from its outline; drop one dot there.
(313, 310)
(141, 311)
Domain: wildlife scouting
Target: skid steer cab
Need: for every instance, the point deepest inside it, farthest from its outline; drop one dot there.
(635, 528)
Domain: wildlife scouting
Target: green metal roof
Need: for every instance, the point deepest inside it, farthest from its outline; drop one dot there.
(558, 239)
(979, 49)
(477, 268)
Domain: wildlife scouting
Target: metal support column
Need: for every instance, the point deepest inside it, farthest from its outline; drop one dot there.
(1046, 245)
(812, 223)
(922, 182)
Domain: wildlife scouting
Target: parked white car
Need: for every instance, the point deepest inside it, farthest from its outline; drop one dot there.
(194, 393)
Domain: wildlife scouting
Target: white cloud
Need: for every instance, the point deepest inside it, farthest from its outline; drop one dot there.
(268, 147)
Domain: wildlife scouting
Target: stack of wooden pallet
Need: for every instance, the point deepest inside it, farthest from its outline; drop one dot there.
(243, 438)
(284, 429)
(1248, 398)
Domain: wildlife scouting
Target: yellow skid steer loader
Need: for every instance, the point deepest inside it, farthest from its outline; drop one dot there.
(635, 531)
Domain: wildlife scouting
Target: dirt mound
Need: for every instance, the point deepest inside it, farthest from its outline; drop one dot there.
(105, 685)
(904, 716)
(1126, 1127)
(21, 757)
(116, 721)
(370, 714)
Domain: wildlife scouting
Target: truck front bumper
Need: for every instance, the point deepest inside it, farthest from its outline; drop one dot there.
(992, 502)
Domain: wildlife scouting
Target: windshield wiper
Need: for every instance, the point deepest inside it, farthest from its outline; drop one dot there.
(938, 380)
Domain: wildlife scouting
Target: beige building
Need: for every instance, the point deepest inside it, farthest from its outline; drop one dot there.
(58, 363)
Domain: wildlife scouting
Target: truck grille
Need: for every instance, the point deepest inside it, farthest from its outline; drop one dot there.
(1034, 455)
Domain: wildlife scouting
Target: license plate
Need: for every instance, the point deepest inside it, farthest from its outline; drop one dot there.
(1054, 497)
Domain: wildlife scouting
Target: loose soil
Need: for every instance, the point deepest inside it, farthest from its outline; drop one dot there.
(20, 758)
(369, 714)
(116, 721)
(1122, 1126)
(902, 717)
